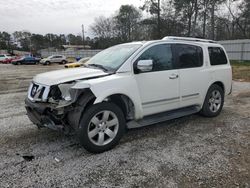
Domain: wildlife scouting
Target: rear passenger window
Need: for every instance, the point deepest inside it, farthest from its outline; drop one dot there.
(217, 56)
(188, 56)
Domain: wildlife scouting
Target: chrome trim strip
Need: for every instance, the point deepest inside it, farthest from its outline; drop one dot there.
(162, 100)
(191, 95)
(46, 93)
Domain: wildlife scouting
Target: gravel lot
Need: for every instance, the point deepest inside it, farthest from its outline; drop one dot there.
(187, 152)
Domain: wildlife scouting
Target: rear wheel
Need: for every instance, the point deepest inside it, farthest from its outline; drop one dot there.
(101, 127)
(213, 102)
(47, 63)
(64, 62)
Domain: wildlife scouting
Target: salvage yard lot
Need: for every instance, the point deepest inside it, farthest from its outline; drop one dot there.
(188, 152)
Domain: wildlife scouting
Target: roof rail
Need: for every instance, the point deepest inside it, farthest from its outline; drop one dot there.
(188, 39)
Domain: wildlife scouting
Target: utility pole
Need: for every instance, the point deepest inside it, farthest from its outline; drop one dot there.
(83, 35)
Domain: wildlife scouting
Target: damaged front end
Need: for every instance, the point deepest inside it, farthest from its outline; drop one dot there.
(58, 107)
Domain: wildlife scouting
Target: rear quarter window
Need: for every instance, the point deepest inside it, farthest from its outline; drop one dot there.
(217, 56)
(188, 56)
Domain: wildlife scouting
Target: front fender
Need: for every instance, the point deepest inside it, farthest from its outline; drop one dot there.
(122, 83)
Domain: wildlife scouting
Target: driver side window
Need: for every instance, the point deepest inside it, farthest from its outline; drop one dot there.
(161, 55)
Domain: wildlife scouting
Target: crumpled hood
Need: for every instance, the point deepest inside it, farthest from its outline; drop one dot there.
(66, 75)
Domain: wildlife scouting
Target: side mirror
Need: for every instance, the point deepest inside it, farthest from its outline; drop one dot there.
(145, 65)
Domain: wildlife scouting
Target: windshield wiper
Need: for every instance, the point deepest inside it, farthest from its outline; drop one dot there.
(98, 66)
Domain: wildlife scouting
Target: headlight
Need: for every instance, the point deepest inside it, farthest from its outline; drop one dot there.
(65, 88)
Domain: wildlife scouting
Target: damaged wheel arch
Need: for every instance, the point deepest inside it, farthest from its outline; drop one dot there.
(82, 100)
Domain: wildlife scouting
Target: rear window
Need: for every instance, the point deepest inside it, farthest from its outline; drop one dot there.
(217, 56)
(188, 56)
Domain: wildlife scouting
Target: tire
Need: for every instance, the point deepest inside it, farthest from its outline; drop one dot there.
(96, 132)
(47, 63)
(213, 102)
(64, 62)
(18, 63)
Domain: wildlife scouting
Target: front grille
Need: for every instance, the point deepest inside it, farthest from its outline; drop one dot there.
(34, 90)
(38, 92)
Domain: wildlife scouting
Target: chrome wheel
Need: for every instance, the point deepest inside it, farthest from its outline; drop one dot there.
(103, 128)
(214, 101)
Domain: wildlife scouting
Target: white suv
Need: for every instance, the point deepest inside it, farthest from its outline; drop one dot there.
(61, 59)
(129, 86)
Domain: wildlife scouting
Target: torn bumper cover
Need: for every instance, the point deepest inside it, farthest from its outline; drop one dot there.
(41, 115)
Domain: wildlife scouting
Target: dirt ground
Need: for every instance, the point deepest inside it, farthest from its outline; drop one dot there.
(191, 151)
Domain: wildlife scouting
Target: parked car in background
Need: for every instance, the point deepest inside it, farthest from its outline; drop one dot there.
(129, 86)
(27, 60)
(78, 63)
(61, 59)
(5, 58)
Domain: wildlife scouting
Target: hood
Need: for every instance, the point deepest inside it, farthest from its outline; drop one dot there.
(66, 75)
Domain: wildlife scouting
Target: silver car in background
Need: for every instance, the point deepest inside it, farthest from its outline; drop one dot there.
(61, 59)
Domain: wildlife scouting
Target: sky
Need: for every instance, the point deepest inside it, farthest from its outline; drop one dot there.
(56, 16)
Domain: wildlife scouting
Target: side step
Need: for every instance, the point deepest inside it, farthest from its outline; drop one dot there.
(164, 116)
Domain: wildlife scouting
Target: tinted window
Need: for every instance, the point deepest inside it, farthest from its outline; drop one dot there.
(217, 56)
(188, 56)
(58, 56)
(161, 56)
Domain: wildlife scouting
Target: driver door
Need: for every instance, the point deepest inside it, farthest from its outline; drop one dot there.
(158, 88)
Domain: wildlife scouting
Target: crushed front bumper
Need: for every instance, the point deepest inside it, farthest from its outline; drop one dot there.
(41, 116)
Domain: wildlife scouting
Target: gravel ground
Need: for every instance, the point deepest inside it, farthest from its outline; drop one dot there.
(191, 151)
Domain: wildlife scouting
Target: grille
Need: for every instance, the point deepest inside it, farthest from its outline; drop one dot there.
(38, 92)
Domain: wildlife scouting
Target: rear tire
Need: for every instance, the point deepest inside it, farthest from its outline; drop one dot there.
(47, 63)
(213, 102)
(101, 127)
(64, 62)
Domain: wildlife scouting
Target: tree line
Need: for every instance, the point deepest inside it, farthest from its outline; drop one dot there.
(212, 19)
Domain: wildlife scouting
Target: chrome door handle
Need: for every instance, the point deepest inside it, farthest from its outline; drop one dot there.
(173, 76)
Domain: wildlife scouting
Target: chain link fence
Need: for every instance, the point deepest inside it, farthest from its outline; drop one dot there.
(71, 54)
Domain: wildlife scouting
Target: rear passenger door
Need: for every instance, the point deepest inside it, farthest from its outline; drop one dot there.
(58, 59)
(190, 61)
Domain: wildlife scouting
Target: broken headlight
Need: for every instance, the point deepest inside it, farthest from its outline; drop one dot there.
(61, 92)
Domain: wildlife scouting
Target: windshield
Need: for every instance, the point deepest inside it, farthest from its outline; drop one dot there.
(50, 57)
(112, 58)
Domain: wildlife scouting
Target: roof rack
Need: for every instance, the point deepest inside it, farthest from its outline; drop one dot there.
(188, 39)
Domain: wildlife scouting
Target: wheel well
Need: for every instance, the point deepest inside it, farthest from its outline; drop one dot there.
(220, 84)
(125, 103)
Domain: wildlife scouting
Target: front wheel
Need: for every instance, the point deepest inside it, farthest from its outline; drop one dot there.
(213, 102)
(101, 127)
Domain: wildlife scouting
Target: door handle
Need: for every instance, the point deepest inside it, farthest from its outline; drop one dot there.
(173, 76)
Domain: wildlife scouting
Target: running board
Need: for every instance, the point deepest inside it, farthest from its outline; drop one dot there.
(164, 116)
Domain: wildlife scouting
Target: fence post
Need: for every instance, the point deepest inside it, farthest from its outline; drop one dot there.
(242, 51)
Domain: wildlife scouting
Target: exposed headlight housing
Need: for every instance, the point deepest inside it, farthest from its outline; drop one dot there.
(61, 92)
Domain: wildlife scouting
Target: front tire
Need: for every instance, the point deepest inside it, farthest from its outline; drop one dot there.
(101, 127)
(213, 102)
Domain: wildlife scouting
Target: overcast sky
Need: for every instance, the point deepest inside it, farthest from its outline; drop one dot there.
(55, 16)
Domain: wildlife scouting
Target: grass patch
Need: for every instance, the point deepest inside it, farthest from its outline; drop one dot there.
(241, 70)
(239, 63)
